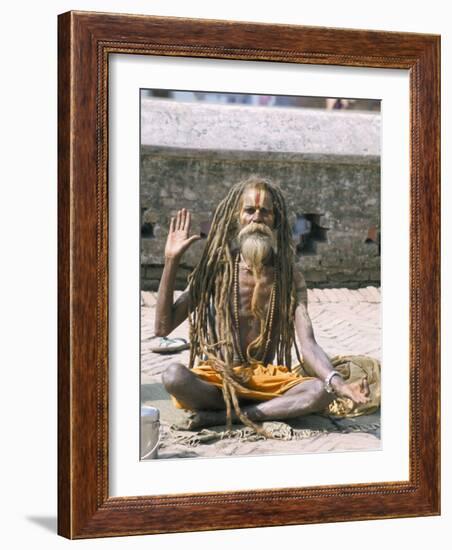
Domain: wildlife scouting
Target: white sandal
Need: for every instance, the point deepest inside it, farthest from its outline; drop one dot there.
(169, 345)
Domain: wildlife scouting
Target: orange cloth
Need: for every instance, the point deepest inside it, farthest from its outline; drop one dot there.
(266, 382)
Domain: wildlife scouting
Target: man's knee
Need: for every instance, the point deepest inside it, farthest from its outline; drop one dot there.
(175, 376)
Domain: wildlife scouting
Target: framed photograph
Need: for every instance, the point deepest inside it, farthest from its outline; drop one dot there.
(325, 152)
(226, 191)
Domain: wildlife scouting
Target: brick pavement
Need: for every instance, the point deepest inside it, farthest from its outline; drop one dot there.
(345, 322)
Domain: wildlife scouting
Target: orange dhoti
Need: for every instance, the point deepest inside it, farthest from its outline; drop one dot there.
(265, 382)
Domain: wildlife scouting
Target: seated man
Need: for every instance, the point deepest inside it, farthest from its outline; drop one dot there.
(245, 302)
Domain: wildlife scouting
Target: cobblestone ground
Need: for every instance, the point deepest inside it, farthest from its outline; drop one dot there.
(346, 322)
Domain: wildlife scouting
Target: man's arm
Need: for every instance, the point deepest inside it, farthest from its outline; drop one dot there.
(314, 355)
(168, 315)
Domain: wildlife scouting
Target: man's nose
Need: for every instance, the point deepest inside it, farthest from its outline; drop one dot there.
(257, 217)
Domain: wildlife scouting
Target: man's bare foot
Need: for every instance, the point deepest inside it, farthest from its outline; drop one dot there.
(197, 420)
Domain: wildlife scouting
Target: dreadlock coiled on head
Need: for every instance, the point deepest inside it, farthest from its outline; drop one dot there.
(211, 323)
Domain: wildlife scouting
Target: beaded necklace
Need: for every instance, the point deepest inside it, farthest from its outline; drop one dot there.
(270, 312)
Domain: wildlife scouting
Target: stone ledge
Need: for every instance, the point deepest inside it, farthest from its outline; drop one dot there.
(166, 123)
(166, 153)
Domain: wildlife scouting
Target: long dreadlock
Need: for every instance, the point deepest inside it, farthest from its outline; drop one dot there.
(210, 284)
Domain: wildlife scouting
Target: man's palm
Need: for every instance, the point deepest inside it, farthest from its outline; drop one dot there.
(178, 237)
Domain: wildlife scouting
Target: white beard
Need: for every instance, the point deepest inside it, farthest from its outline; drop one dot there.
(257, 242)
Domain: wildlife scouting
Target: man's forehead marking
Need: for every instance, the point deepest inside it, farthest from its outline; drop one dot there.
(256, 197)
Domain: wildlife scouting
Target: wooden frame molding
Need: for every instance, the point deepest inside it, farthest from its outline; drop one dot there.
(85, 42)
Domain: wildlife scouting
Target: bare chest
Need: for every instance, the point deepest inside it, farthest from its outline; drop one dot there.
(253, 294)
(253, 301)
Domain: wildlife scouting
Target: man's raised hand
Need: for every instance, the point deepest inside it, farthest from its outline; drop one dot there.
(178, 237)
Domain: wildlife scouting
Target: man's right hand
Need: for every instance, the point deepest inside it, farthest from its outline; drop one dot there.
(178, 237)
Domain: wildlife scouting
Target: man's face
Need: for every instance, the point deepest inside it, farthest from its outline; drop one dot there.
(257, 207)
(256, 236)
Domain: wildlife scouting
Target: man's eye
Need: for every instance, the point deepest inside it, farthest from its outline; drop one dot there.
(249, 210)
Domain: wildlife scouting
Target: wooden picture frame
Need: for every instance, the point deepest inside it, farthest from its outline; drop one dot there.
(85, 42)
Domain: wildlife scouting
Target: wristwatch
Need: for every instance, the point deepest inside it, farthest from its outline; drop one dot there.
(327, 383)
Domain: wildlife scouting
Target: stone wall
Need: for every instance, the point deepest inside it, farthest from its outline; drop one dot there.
(328, 164)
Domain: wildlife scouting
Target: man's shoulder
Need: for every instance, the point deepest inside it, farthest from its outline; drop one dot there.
(300, 285)
(298, 275)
